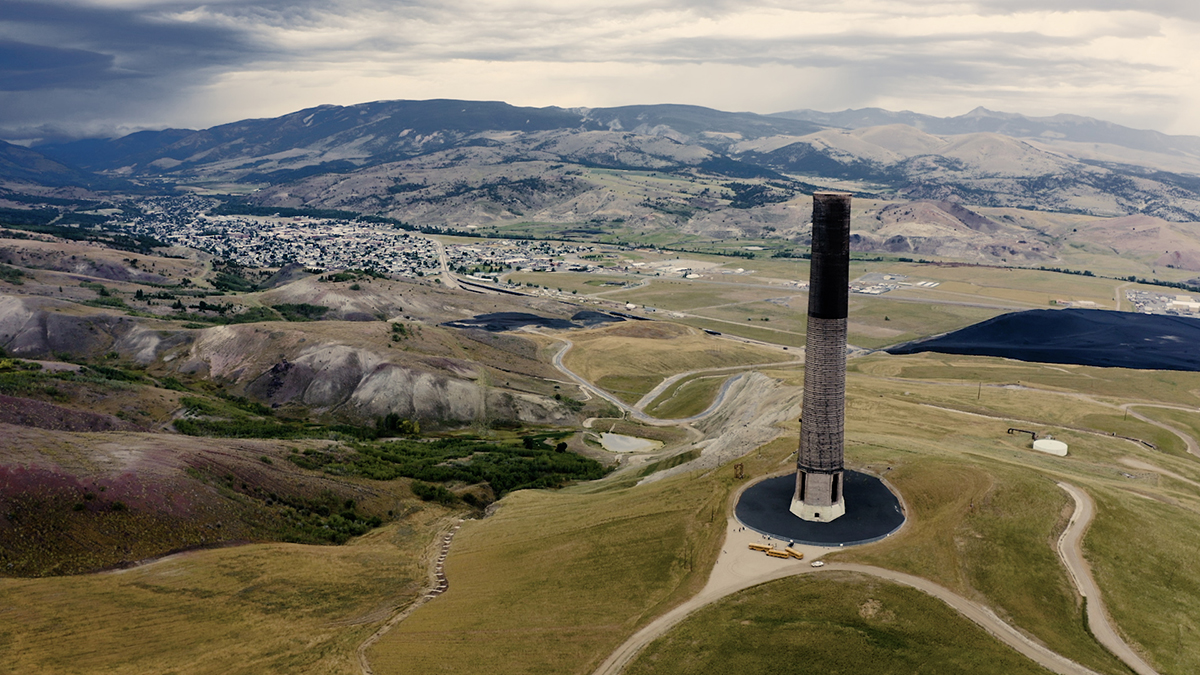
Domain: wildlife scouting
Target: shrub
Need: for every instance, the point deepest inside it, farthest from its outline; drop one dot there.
(434, 493)
(393, 424)
(11, 274)
(301, 311)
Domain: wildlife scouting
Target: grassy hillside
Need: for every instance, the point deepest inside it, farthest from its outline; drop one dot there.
(267, 608)
(571, 575)
(689, 396)
(532, 587)
(828, 624)
(78, 502)
(555, 579)
(1143, 554)
(630, 359)
(985, 512)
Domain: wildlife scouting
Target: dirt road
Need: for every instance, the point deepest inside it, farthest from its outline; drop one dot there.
(634, 411)
(437, 576)
(1146, 466)
(738, 568)
(1192, 447)
(1070, 551)
(662, 386)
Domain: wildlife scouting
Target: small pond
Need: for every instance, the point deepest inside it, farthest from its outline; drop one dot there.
(623, 444)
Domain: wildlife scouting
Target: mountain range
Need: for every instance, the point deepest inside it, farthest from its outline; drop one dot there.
(447, 161)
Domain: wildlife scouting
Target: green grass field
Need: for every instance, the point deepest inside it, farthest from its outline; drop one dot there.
(687, 397)
(583, 284)
(991, 535)
(1143, 553)
(831, 623)
(682, 295)
(628, 388)
(985, 510)
(1183, 420)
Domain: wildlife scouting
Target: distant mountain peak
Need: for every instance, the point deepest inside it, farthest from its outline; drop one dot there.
(980, 111)
(1062, 127)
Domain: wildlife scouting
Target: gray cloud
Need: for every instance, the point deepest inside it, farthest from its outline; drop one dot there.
(84, 66)
(1172, 9)
(25, 66)
(136, 41)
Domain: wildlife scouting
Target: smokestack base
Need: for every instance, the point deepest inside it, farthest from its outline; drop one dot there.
(818, 497)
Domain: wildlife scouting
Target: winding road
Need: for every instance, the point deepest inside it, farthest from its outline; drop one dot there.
(1192, 447)
(665, 384)
(636, 410)
(738, 568)
(1071, 552)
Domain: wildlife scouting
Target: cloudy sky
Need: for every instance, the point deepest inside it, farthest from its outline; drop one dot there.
(72, 67)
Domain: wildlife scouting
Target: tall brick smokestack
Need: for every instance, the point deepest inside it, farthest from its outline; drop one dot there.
(819, 463)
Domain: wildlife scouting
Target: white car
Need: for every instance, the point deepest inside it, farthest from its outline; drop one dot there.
(818, 563)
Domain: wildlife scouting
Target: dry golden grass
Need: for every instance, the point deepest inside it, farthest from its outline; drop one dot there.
(985, 512)
(268, 608)
(680, 294)
(687, 397)
(554, 581)
(651, 352)
(58, 254)
(831, 623)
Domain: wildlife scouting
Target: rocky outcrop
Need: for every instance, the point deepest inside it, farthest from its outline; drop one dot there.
(37, 327)
(756, 406)
(360, 383)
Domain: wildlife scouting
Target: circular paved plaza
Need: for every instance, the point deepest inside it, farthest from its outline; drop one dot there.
(872, 512)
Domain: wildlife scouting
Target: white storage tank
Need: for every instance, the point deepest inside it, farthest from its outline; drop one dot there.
(1050, 447)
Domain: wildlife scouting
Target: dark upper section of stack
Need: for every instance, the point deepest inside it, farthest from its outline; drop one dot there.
(829, 279)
